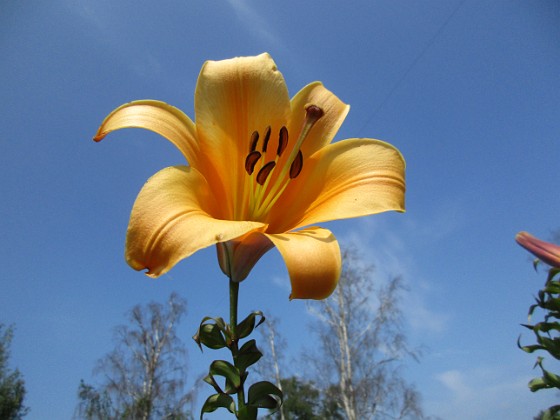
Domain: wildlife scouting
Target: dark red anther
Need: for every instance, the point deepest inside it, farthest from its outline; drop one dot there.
(266, 139)
(313, 113)
(251, 160)
(254, 140)
(297, 165)
(282, 141)
(264, 172)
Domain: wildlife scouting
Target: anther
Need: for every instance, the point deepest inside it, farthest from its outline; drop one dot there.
(282, 141)
(254, 140)
(251, 160)
(264, 172)
(297, 165)
(266, 139)
(313, 113)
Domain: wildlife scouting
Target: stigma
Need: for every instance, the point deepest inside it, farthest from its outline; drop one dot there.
(270, 170)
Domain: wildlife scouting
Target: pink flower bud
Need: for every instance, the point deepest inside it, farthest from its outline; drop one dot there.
(544, 251)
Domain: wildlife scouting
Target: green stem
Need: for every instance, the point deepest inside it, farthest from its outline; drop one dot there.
(233, 300)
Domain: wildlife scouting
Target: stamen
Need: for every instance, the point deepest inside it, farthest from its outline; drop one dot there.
(254, 140)
(264, 172)
(269, 188)
(313, 113)
(251, 160)
(266, 139)
(282, 141)
(297, 165)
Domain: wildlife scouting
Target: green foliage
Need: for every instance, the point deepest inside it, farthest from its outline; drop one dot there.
(12, 386)
(228, 379)
(547, 334)
(305, 400)
(302, 399)
(96, 405)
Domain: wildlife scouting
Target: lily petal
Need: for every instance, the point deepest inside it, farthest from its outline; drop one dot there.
(158, 117)
(346, 179)
(238, 256)
(324, 130)
(233, 99)
(312, 257)
(171, 220)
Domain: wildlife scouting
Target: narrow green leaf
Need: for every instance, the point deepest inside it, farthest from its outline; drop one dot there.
(210, 336)
(537, 384)
(553, 288)
(551, 413)
(209, 379)
(547, 326)
(551, 274)
(213, 402)
(551, 379)
(265, 395)
(528, 349)
(246, 327)
(248, 355)
(228, 371)
(213, 335)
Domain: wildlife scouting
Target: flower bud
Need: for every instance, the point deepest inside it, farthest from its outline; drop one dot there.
(544, 251)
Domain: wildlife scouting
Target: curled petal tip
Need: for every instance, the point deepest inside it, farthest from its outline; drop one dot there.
(100, 136)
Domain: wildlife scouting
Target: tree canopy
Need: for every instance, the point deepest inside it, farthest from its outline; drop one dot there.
(12, 385)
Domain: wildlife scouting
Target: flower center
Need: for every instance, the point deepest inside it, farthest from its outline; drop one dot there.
(269, 174)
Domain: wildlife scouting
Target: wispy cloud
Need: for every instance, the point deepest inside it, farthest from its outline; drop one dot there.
(392, 256)
(256, 23)
(100, 22)
(489, 393)
(454, 381)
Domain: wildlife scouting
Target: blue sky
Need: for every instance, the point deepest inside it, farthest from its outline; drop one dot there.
(466, 89)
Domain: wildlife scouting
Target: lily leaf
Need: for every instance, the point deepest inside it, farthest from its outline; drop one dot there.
(213, 335)
(537, 384)
(209, 379)
(553, 288)
(265, 395)
(248, 355)
(213, 402)
(528, 349)
(246, 327)
(228, 371)
(551, 379)
(551, 413)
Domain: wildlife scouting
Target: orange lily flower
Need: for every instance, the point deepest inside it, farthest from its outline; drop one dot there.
(261, 171)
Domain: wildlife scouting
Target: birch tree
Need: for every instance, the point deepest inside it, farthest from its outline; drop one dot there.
(12, 385)
(144, 376)
(302, 399)
(361, 346)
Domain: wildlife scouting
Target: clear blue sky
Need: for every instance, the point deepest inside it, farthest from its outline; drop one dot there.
(467, 90)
